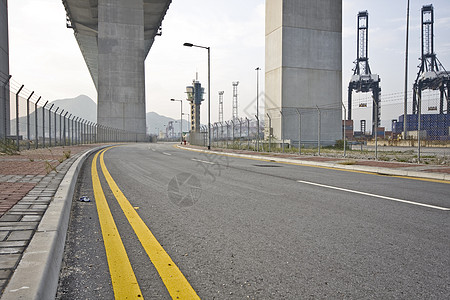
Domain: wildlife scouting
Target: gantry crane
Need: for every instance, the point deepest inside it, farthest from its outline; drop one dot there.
(363, 80)
(432, 74)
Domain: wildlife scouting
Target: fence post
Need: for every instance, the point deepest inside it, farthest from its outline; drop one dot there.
(419, 125)
(226, 122)
(83, 132)
(240, 133)
(91, 135)
(50, 125)
(43, 124)
(54, 117)
(299, 132)
(232, 135)
(60, 127)
(65, 129)
(88, 133)
(78, 124)
(318, 129)
(28, 120)
(5, 113)
(69, 128)
(17, 116)
(77, 131)
(282, 130)
(376, 128)
(36, 123)
(270, 128)
(248, 133)
(94, 129)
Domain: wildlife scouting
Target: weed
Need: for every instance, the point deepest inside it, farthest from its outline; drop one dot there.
(67, 154)
(8, 147)
(402, 159)
(49, 167)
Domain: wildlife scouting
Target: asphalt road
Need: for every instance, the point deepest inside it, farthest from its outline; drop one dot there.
(249, 229)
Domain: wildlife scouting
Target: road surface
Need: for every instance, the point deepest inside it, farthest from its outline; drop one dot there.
(192, 224)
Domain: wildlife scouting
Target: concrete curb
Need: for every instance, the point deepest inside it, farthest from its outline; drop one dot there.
(37, 275)
(369, 169)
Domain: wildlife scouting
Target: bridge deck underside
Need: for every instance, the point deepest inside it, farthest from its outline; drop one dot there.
(83, 18)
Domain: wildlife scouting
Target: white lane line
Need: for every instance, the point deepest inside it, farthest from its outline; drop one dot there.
(165, 153)
(203, 161)
(373, 195)
(153, 150)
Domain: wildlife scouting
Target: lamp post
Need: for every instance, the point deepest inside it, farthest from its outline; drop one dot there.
(405, 101)
(257, 107)
(209, 88)
(181, 120)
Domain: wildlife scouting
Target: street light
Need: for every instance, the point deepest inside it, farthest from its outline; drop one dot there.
(181, 120)
(257, 107)
(209, 88)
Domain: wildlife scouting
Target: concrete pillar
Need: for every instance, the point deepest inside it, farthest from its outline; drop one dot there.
(303, 67)
(121, 55)
(4, 70)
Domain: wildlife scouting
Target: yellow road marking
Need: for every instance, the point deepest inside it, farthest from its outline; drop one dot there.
(175, 282)
(123, 280)
(314, 166)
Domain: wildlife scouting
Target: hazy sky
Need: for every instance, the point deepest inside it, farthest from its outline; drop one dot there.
(45, 57)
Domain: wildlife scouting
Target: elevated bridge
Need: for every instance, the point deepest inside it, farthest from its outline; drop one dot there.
(115, 37)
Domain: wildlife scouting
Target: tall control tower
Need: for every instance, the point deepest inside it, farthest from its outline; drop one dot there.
(195, 97)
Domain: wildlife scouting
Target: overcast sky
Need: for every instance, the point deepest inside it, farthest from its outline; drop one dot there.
(45, 57)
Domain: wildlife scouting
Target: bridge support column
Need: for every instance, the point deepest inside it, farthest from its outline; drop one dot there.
(121, 76)
(303, 67)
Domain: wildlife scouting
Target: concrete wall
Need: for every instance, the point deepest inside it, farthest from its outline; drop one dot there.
(121, 55)
(4, 69)
(303, 67)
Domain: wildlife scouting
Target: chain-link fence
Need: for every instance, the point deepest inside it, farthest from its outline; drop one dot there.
(324, 130)
(32, 122)
(427, 129)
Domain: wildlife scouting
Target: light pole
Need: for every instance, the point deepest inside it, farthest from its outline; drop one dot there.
(209, 88)
(257, 107)
(181, 120)
(405, 101)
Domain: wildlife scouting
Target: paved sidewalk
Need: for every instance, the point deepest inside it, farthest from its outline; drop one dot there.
(436, 172)
(28, 182)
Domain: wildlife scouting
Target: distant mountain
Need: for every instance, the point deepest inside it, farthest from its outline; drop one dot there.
(81, 106)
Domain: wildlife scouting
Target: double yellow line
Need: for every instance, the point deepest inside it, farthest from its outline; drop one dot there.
(125, 284)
